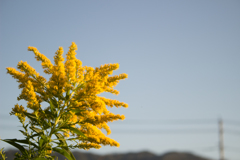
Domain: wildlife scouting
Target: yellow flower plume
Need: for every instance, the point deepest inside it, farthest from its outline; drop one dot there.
(73, 92)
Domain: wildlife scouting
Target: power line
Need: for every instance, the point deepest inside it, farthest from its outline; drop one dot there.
(165, 131)
(160, 121)
(174, 122)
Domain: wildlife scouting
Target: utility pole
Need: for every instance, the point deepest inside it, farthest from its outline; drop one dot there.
(221, 148)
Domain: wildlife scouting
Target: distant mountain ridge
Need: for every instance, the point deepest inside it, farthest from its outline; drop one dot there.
(125, 156)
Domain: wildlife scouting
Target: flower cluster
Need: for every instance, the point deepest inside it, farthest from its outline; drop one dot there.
(19, 112)
(73, 94)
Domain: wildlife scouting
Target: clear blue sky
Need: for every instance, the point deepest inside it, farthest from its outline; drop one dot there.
(182, 58)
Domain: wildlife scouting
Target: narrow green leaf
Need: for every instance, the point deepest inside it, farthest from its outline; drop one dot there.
(64, 125)
(46, 125)
(75, 130)
(24, 133)
(71, 139)
(24, 141)
(49, 114)
(65, 153)
(51, 105)
(44, 137)
(59, 135)
(61, 138)
(13, 143)
(54, 102)
(31, 117)
(59, 130)
(41, 143)
(21, 141)
(39, 131)
(34, 135)
(77, 110)
(71, 154)
(58, 143)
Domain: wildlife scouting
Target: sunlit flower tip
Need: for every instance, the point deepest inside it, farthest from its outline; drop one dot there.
(122, 117)
(124, 75)
(60, 49)
(73, 46)
(30, 48)
(118, 145)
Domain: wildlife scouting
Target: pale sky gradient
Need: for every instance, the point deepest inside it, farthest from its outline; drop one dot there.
(182, 58)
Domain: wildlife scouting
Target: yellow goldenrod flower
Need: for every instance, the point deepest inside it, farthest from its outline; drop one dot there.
(58, 79)
(18, 109)
(29, 95)
(46, 63)
(72, 92)
(70, 64)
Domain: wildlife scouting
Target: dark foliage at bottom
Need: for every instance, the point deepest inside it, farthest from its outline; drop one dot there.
(126, 156)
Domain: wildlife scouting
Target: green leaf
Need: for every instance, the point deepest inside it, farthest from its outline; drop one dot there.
(34, 135)
(41, 143)
(49, 114)
(71, 139)
(13, 143)
(59, 130)
(46, 124)
(51, 106)
(59, 135)
(77, 110)
(24, 141)
(24, 133)
(75, 130)
(61, 138)
(44, 137)
(64, 125)
(54, 102)
(31, 117)
(40, 159)
(39, 131)
(65, 153)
